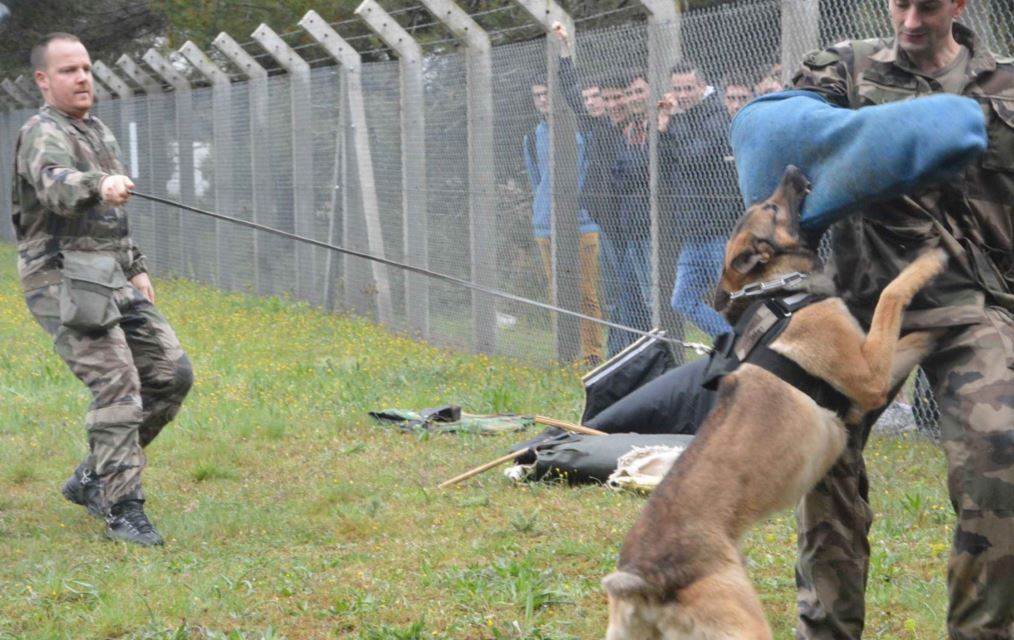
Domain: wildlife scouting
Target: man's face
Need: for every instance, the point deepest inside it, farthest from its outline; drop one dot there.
(66, 82)
(735, 98)
(767, 85)
(593, 101)
(687, 90)
(923, 27)
(540, 96)
(636, 97)
(614, 103)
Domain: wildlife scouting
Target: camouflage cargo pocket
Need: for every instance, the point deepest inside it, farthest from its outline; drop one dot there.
(86, 293)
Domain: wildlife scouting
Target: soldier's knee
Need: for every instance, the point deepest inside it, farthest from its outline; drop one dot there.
(183, 377)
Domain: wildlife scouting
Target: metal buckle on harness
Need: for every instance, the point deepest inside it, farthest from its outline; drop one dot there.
(758, 288)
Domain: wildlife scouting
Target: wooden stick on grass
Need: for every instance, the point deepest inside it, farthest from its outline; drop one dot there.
(543, 420)
(568, 426)
(482, 467)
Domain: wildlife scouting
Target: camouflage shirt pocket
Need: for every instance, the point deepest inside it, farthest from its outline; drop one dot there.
(90, 280)
(999, 155)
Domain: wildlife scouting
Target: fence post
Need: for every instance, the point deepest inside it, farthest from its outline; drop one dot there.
(664, 48)
(263, 209)
(800, 33)
(123, 91)
(221, 149)
(156, 249)
(31, 89)
(301, 123)
(185, 155)
(350, 59)
(17, 94)
(415, 232)
(481, 168)
(148, 84)
(100, 92)
(565, 258)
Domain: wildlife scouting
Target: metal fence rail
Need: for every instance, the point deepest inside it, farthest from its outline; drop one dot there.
(424, 159)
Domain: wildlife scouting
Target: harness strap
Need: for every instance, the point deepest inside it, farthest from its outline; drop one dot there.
(788, 370)
(758, 327)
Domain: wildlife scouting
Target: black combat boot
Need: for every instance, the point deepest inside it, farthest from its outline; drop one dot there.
(126, 521)
(83, 488)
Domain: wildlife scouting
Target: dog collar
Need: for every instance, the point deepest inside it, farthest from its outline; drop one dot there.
(758, 288)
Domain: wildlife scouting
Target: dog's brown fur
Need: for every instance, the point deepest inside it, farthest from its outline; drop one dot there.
(764, 445)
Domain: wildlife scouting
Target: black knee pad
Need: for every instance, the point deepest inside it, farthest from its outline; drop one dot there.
(183, 376)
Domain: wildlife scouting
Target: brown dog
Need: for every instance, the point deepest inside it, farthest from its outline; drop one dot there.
(765, 443)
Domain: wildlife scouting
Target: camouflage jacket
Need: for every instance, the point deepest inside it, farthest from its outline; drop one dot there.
(59, 164)
(971, 216)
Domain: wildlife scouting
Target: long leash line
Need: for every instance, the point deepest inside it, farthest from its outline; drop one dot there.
(699, 348)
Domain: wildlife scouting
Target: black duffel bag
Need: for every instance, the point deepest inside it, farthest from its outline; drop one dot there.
(579, 458)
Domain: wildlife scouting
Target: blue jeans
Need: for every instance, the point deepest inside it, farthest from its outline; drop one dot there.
(697, 272)
(626, 278)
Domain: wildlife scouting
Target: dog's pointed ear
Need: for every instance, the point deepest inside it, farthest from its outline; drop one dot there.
(623, 584)
(745, 262)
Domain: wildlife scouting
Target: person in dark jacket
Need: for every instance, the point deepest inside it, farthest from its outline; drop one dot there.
(599, 110)
(632, 241)
(736, 92)
(700, 194)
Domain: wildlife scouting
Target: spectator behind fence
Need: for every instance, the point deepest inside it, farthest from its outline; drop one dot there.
(700, 195)
(599, 108)
(769, 80)
(536, 151)
(86, 283)
(736, 92)
(631, 248)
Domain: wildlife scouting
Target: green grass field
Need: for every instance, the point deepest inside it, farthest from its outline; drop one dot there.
(289, 514)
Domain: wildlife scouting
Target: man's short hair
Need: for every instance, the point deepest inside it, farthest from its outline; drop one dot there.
(634, 74)
(592, 81)
(738, 79)
(614, 81)
(687, 66)
(38, 56)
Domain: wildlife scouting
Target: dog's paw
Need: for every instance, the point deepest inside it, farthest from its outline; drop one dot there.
(931, 263)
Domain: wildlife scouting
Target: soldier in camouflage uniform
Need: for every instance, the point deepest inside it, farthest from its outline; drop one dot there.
(973, 302)
(68, 192)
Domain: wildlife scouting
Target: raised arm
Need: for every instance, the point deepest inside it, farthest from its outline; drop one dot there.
(570, 85)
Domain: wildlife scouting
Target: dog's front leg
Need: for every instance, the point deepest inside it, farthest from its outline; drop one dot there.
(880, 345)
(911, 350)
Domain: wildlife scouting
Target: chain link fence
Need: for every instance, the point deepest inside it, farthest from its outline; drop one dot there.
(511, 187)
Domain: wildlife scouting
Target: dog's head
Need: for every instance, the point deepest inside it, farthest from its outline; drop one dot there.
(767, 241)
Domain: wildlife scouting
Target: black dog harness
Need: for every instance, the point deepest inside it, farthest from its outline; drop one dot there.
(749, 341)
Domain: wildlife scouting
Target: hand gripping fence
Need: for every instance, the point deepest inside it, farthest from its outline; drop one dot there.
(696, 346)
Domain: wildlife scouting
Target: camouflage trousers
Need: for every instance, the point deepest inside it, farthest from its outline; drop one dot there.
(973, 381)
(138, 376)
